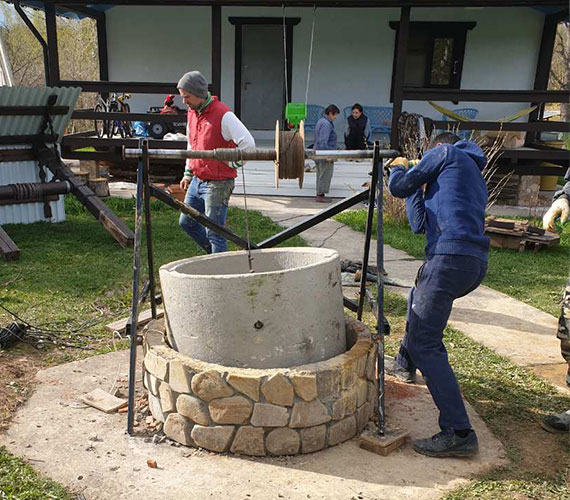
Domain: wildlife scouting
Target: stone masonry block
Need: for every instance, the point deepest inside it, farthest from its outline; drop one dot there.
(167, 398)
(266, 415)
(215, 438)
(305, 385)
(363, 415)
(328, 380)
(341, 431)
(361, 392)
(155, 408)
(248, 385)
(210, 385)
(179, 377)
(152, 383)
(156, 365)
(309, 414)
(249, 441)
(193, 408)
(283, 441)
(278, 390)
(313, 438)
(371, 365)
(179, 429)
(232, 410)
(345, 405)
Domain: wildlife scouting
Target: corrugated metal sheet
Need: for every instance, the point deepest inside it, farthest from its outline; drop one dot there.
(38, 96)
(28, 171)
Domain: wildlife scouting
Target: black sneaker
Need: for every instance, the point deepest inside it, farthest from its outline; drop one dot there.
(448, 444)
(559, 424)
(394, 369)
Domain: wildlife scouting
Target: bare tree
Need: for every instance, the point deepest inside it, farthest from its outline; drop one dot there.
(77, 47)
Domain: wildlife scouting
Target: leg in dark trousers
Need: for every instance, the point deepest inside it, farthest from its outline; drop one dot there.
(441, 280)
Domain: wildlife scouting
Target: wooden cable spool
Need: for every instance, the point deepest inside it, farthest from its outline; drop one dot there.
(289, 154)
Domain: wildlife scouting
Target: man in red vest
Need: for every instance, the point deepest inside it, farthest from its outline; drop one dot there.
(209, 183)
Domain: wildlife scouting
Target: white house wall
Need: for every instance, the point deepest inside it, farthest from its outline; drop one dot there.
(352, 55)
(157, 44)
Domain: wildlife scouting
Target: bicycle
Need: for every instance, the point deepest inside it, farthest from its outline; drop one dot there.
(115, 103)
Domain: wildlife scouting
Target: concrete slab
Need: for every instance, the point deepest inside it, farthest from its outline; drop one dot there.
(90, 452)
(522, 333)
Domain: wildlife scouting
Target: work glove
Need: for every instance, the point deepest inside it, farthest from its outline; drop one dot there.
(560, 208)
(400, 162)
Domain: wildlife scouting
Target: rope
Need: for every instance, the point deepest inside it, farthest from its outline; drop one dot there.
(285, 55)
(249, 257)
(310, 55)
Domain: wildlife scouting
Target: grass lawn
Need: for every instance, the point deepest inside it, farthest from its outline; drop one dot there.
(535, 278)
(74, 275)
(511, 401)
(74, 272)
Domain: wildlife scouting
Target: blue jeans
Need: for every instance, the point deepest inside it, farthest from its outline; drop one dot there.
(440, 280)
(211, 198)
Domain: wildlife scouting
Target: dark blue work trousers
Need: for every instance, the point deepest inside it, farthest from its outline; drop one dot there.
(440, 280)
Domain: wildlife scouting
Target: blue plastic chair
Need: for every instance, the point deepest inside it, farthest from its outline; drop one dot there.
(469, 113)
(314, 114)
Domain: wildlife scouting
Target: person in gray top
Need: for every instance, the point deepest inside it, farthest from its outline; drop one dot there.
(325, 139)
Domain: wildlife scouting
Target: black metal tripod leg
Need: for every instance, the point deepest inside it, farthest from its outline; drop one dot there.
(368, 235)
(380, 326)
(147, 219)
(133, 319)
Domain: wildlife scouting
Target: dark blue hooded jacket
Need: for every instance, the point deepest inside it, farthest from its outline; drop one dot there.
(451, 212)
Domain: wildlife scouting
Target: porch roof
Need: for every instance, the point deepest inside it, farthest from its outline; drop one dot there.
(550, 5)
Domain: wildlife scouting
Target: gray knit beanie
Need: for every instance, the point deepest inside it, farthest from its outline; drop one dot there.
(195, 83)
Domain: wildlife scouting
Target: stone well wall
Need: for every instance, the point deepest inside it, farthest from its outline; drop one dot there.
(261, 411)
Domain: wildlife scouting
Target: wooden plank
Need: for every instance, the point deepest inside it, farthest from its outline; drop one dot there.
(103, 401)
(33, 110)
(383, 445)
(540, 126)
(17, 155)
(87, 114)
(112, 224)
(144, 318)
(426, 94)
(27, 139)
(8, 248)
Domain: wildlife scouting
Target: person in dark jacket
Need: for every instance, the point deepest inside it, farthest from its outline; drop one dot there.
(357, 129)
(325, 139)
(446, 197)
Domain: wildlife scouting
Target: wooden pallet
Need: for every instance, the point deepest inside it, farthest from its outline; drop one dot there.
(8, 249)
(518, 235)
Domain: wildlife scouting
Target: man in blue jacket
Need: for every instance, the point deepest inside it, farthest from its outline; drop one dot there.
(446, 197)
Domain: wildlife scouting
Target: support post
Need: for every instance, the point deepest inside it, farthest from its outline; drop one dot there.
(543, 64)
(368, 235)
(131, 328)
(216, 50)
(400, 73)
(102, 48)
(51, 32)
(147, 216)
(378, 335)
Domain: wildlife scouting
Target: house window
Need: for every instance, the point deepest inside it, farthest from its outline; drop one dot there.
(434, 58)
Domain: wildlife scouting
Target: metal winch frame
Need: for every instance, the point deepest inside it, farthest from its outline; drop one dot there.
(145, 189)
